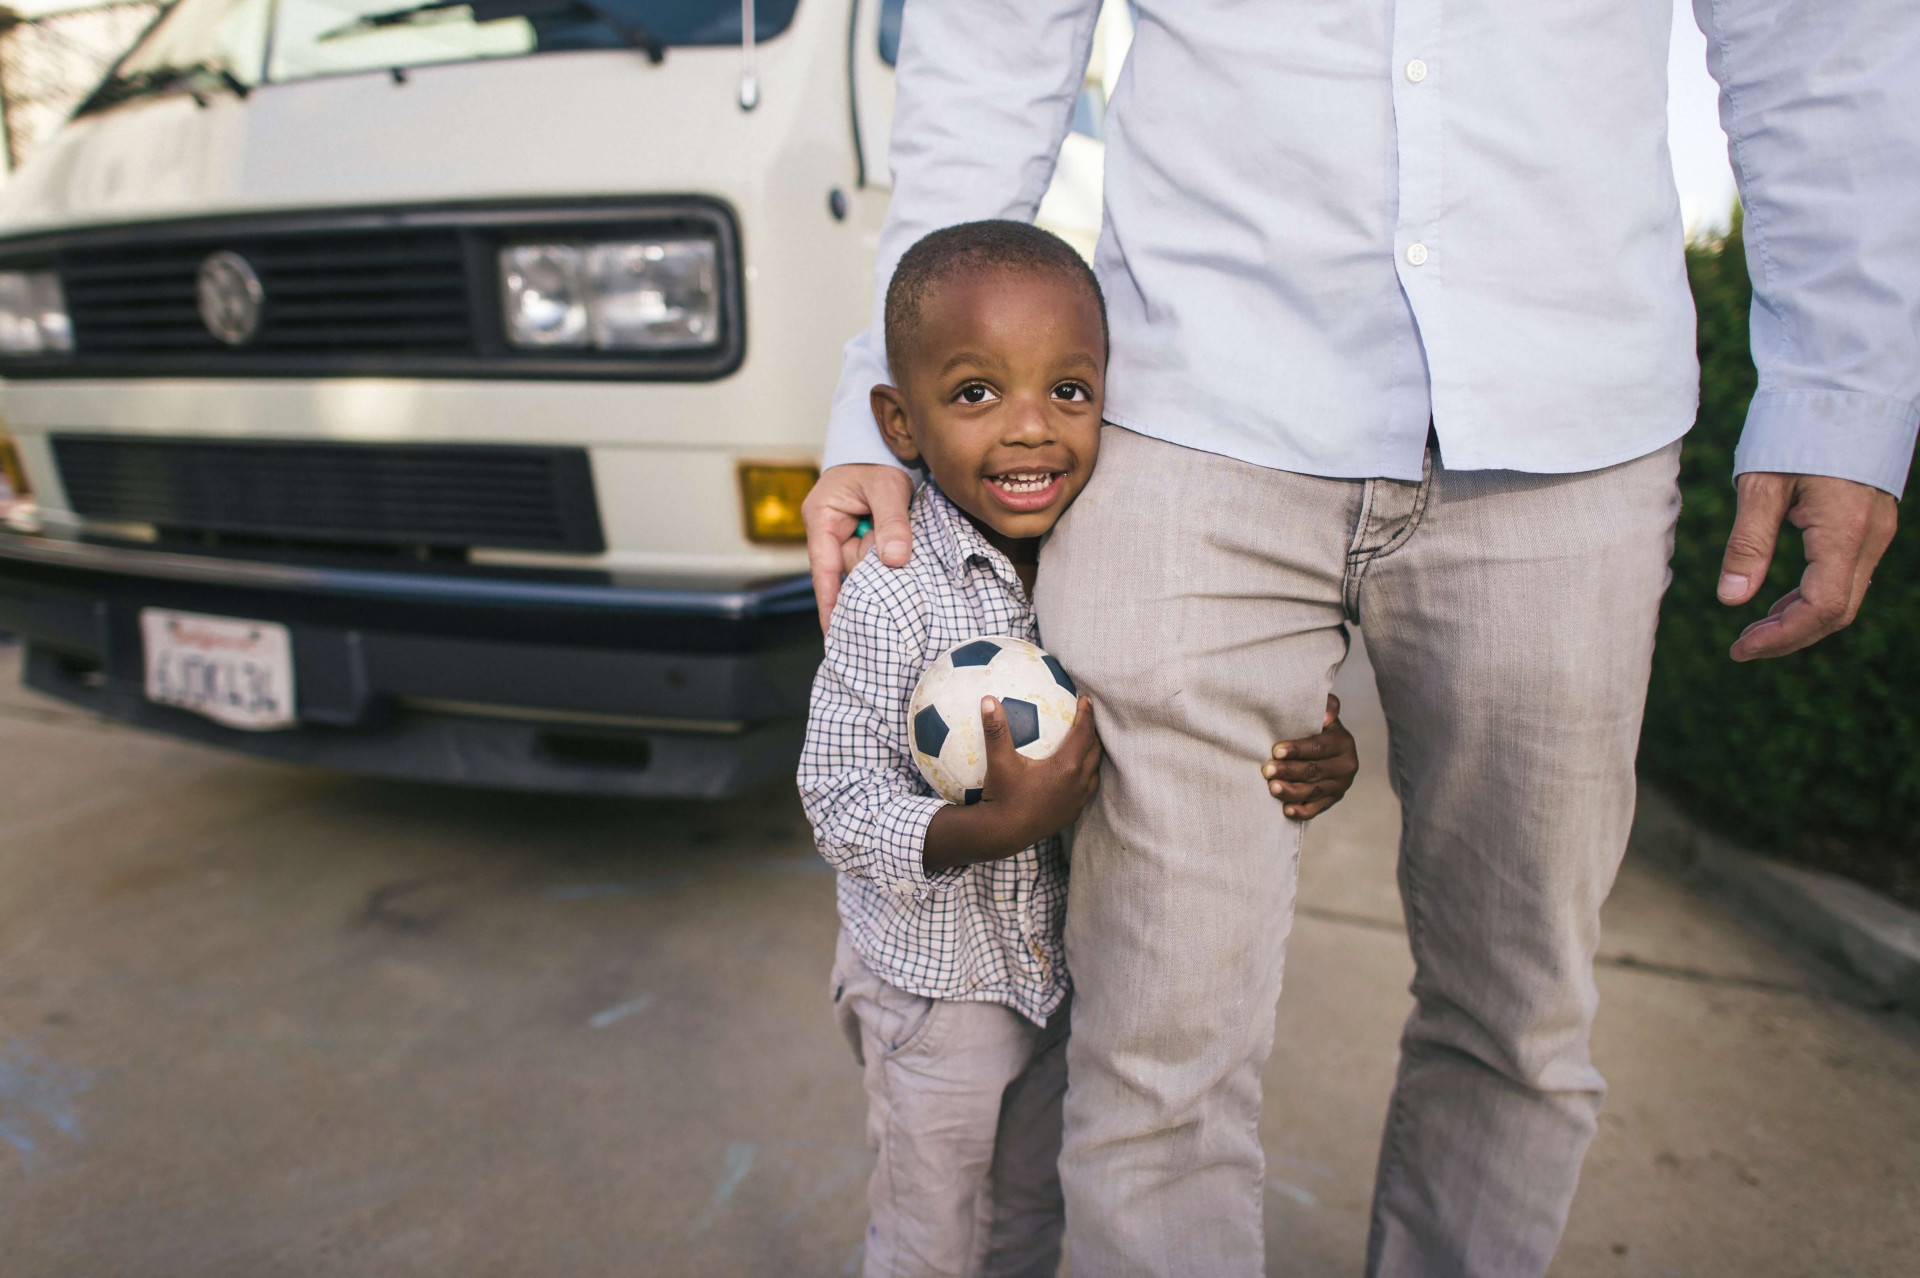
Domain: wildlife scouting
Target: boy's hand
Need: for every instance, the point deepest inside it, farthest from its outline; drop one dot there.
(1313, 773)
(1025, 799)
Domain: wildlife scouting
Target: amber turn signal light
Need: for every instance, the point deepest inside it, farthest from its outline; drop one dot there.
(772, 497)
(11, 469)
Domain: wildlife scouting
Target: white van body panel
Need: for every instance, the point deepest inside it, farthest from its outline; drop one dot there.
(500, 130)
(681, 620)
(557, 125)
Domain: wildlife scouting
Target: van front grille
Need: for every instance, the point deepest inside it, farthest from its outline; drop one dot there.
(409, 292)
(363, 494)
(388, 293)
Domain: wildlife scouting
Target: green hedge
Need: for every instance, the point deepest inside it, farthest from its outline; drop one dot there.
(1814, 757)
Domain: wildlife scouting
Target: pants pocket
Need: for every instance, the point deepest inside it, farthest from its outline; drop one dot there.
(904, 1021)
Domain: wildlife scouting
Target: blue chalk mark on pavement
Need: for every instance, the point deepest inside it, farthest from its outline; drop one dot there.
(619, 1012)
(36, 1091)
(1304, 1197)
(739, 1162)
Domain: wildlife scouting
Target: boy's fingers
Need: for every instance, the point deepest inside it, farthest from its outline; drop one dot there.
(993, 726)
(1333, 711)
(1291, 755)
(1323, 745)
(1335, 770)
(1082, 734)
(1305, 791)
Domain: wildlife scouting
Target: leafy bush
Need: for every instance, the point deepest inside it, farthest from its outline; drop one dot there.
(1814, 757)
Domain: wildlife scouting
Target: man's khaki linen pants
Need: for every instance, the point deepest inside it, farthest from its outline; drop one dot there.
(1203, 603)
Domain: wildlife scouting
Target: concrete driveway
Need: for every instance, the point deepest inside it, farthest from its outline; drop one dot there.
(259, 1021)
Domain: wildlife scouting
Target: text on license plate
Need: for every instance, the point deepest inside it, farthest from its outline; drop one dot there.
(233, 671)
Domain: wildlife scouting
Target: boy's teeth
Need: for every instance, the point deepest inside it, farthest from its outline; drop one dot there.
(1023, 483)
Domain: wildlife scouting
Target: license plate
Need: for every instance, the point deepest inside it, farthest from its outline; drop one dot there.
(235, 672)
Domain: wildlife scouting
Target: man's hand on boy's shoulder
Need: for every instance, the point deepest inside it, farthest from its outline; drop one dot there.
(1024, 801)
(1311, 774)
(842, 497)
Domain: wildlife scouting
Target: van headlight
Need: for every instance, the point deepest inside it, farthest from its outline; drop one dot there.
(33, 314)
(624, 295)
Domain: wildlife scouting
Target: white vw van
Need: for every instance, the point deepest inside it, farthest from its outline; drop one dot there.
(429, 389)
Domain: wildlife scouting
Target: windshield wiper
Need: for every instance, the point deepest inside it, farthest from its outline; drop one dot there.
(192, 79)
(634, 33)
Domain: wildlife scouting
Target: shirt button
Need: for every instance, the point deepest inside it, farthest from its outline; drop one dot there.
(1416, 254)
(1416, 71)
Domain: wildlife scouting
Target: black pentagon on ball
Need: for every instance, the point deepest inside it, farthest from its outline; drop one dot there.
(1023, 720)
(1060, 675)
(929, 731)
(972, 797)
(977, 653)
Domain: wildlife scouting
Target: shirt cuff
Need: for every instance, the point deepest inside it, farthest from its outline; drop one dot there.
(852, 437)
(1845, 434)
(903, 867)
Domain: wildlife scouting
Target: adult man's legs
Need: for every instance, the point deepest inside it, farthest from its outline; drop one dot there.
(1511, 631)
(1198, 601)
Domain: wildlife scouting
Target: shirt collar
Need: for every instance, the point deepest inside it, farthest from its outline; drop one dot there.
(954, 540)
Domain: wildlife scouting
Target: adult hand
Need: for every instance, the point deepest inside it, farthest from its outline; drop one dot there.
(1845, 526)
(839, 501)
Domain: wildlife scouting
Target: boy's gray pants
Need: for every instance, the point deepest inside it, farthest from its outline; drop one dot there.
(963, 1114)
(1203, 603)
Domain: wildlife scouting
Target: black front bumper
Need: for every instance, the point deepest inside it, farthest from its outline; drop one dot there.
(533, 680)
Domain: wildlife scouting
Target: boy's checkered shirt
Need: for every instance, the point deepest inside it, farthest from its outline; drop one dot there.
(988, 932)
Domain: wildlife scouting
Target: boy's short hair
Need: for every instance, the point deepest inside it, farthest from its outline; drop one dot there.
(976, 246)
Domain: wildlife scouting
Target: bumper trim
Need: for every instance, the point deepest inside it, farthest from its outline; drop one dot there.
(447, 749)
(577, 718)
(772, 597)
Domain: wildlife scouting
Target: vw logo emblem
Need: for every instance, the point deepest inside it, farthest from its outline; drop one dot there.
(230, 297)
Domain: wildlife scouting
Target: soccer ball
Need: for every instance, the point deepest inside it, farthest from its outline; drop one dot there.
(943, 719)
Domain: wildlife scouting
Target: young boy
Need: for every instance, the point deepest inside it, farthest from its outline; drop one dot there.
(950, 979)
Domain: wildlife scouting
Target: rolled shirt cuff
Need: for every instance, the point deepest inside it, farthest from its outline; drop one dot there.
(1846, 434)
(903, 868)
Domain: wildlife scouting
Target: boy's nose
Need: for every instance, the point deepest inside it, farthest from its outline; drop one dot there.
(1028, 423)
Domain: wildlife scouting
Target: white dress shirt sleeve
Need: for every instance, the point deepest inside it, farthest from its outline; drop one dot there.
(1820, 100)
(985, 96)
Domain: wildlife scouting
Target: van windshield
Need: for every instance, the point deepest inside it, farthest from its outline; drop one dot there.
(213, 46)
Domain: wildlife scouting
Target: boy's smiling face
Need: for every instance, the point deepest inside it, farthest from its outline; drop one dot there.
(1001, 394)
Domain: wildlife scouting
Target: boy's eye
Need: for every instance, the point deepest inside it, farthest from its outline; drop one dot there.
(1074, 392)
(975, 393)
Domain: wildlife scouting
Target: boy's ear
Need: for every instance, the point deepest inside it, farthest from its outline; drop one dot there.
(890, 415)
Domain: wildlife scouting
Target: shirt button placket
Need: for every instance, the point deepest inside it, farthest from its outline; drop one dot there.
(1416, 85)
(1418, 120)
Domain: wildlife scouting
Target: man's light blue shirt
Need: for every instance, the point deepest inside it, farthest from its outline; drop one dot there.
(1328, 222)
